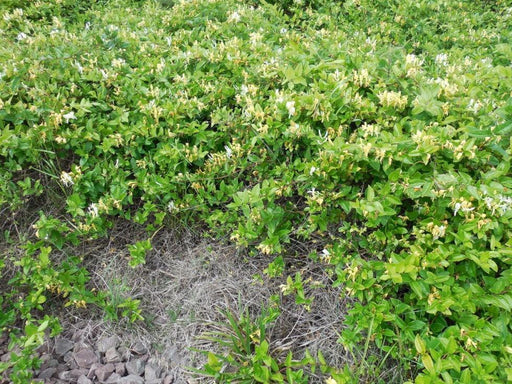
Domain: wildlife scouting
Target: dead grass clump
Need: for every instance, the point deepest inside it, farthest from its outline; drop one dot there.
(185, 286)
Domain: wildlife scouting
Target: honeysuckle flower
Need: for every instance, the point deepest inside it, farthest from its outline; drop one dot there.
(234, 17)
(290, 106)
(474, 105)
(438, 231)
(93, 210)
(392, 99)
(69, 116)
(229, 152)
(66, 179)
(118, 63)
(79, 67)
(442, 58)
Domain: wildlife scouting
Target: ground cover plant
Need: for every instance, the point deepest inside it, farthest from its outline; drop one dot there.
(377, 134)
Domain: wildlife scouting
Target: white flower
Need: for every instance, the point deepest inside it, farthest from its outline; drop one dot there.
(69, 116)
(87, 26)
(312, 170)
(474, 105)
(279, 96)
(21, 36)
(439, 231)
(93, 210)
(283, 31)
(66, 179)
(79, 67)
(234, 17)
(229, 152)
(290, 106)
(442, 58)
(118, 63)
(456, 208)
(325, 252)
(171, 206)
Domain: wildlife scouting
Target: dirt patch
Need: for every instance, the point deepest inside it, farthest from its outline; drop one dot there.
(185, 285)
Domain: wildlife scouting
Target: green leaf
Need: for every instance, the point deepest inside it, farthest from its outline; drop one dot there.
(419, 344)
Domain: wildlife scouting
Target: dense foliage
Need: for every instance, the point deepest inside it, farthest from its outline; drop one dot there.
(379, 132)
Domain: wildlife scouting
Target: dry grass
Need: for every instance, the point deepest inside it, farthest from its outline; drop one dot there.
(185, 285)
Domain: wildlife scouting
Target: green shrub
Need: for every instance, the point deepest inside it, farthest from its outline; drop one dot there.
(379, 131)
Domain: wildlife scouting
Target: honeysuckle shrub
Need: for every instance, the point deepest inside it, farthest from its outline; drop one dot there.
(379, 131)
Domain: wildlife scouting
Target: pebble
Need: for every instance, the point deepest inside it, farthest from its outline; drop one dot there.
(63, 346)
(151, 372)
(47, 373)
(104, 372)
(135, 367)
(106, 343)
(112, 356)
(85, 358)
(131, 379)
(107, 361)
(83, 380)
(120, 369)
(139, 348)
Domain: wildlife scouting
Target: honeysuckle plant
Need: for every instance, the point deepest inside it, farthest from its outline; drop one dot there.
(379, 131)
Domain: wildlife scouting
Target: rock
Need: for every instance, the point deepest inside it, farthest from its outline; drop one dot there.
(69, 359)
(151, 372)
(92, 370)
(83, 380)
(85, 358)
(62, 346)
(47, 373)
(81, 345)
(62, 367)
(76, 373)
(154, 381)
(139, 348)
(5, 357)
(104, 372)
(135, 367)
(120, 369)
(114, 379)
(125, 353)
(106, 343)
(44, 348)
(48, 362)
(64, 375)
(168, 380)
(112, 356)
(131, 379)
